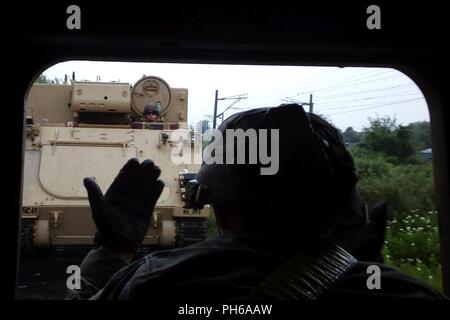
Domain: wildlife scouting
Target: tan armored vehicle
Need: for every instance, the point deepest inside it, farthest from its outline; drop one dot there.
(91, 129)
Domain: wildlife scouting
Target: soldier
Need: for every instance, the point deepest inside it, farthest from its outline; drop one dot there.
(151, 113)
(302, 233)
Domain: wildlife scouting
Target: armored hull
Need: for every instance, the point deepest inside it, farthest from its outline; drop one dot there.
(91, 130)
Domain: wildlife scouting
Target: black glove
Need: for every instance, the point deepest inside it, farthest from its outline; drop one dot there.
(122, 216)
(365, 239)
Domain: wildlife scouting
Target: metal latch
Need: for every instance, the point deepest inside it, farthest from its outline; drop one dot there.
(56, 218)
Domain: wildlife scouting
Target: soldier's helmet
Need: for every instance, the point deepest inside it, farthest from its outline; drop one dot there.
(313, 165)
(151, 109)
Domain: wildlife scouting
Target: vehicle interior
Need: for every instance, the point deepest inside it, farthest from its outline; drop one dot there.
(302, 34)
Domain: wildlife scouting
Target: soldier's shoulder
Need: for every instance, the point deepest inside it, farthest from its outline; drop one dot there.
(195, 266)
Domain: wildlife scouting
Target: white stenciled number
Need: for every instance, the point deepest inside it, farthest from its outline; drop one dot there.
(74, 20)
(374, 280)
(374, 20)
(74, 280)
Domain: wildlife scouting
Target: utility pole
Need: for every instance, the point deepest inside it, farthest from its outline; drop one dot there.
(311, 104)
(221, 115)
(215, 109)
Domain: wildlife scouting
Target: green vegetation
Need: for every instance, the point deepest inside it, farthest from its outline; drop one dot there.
(412, 246)
(212, 225)
(44, 79)
(388, 169)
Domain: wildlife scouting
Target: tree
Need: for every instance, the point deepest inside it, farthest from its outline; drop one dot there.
(420, 135)
(46, 80)
(405, 148)
(351, 136)
(43, 79)
(384, 136)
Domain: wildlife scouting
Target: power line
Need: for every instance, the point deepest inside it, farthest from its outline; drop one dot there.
(312, 77)
(333, 103)
(283, 88)
(331, 97)
(374, 107)
(328, 96)
(357, 77)
(354, 78)
(291, 100)
(302, 103)
(337, 97)
(236, 99)
(347, 84)
(355, 106)
(368, 92)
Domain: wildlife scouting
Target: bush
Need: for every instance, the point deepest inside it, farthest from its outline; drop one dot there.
(412, 246)
(404, 187)
(412, 238)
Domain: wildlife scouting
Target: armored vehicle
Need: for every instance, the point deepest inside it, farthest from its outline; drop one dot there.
(81, 129)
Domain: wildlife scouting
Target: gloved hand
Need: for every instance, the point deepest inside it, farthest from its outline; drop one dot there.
(365, 239)
(122, 215)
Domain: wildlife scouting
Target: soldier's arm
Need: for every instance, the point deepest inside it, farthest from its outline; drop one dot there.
(122, 218)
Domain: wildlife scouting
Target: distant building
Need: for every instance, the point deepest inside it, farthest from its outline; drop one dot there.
(425, 155)
(203, 127)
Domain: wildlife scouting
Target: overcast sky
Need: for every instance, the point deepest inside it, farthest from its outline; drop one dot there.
(347, 96)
